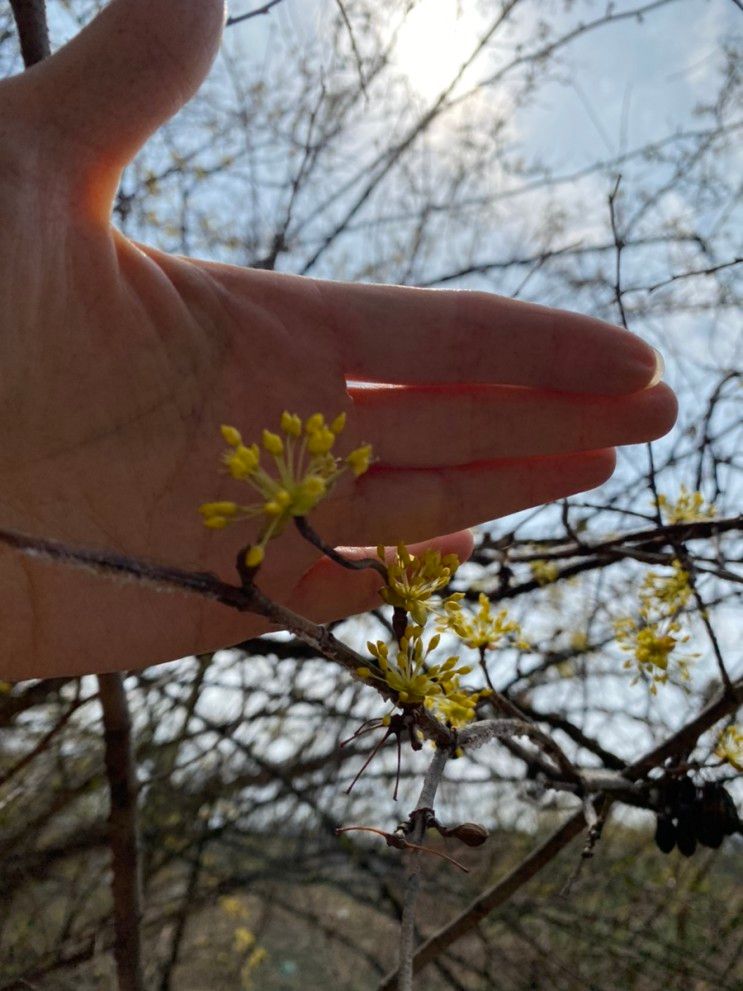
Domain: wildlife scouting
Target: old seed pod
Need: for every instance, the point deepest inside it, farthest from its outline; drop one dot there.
(665, 834)
(685, 838)
(470, 833)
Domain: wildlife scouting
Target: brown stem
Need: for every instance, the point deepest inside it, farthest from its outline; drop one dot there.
(245, 598)
(360, 564)
(33, 35)
(406, 969)
(126, 884)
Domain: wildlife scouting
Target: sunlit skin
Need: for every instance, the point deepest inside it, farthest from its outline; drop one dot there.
(119, 362)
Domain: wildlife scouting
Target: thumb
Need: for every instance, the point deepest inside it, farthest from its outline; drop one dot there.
(126, 73)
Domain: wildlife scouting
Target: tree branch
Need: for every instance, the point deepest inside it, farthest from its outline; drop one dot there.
(500, 892)
(33, 34)
(239, 18)
(413, 880)
(126, 885)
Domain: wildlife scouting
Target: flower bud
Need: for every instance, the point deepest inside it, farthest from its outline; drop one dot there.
(272, 443)
(230, 435)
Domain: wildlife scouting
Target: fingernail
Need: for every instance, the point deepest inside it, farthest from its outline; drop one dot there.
(660, 367)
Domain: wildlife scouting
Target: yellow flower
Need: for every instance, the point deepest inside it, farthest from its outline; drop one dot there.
(320, 441)
(411, 580)
(255, 959)
(254, 556)
(482, 630)
(729, 747)
(359, 459)
(233, 906)
(653, 638)
(544, 572)
(671, 592)
(652, 644)
(244, 939)
(689, 507)
(242, 461)
(230, 435)
(579, 641)
(437, 686)
(272, 443)
(304, 472)
(291, 424)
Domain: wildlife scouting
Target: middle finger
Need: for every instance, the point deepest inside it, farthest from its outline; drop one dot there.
(441, 426)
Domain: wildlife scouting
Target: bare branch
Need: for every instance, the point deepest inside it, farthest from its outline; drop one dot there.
(356, 54)
(500, 892)
(239, 18)
(413, 880)
(33, 34)
(126, 884)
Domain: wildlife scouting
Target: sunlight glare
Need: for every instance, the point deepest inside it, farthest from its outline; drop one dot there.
(434, 41)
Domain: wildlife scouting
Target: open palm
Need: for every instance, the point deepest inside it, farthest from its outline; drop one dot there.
(119, 363)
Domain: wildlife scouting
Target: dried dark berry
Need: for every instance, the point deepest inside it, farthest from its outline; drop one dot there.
(685, 838)
(710, 831)
(665, 834)
(732, 820)
(709, 816)
(686, 795)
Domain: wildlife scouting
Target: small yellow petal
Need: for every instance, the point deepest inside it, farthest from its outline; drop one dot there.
(254, 556)
(218, 509)
(338, 423)
(272, 443)
(291, 424)
(320, 441)
(216, 522)
(230, 435)
(358, 461)
(314, 423)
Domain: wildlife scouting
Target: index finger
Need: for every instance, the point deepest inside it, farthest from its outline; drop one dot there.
(399, 334)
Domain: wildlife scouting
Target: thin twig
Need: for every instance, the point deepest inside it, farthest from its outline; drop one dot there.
(358, 564)
(356, 54)
(691, 274)
(477, 734)
(239, 18)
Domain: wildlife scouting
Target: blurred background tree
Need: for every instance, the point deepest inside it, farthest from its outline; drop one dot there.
(577, 153)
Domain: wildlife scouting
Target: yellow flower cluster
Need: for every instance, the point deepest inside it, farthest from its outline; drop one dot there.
(690, 507)
(653, 638)
(730, 747)
(412, 580)
(256, 958)
(244, 941)
(437, 686)
(481, 630)
(544, 572)
(233, 906)
(304, 472)
(672, 591)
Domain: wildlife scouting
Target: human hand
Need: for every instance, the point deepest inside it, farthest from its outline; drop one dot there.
(119, 363)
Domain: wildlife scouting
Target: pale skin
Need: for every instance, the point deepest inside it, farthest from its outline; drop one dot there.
(118, 363)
